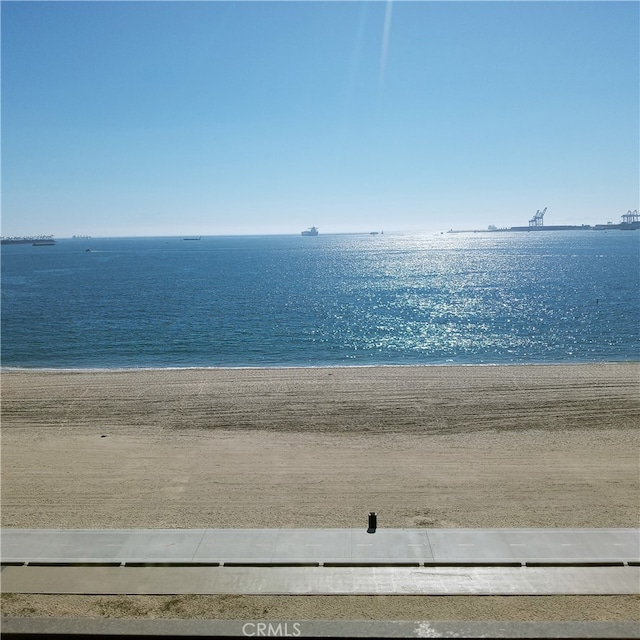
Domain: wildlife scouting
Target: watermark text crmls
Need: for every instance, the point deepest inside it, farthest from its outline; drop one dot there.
(273, 629)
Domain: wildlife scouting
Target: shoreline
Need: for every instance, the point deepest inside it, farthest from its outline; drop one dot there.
(588, 363)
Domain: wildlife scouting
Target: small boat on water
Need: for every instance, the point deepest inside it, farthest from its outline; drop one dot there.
(311, 231)
(192, 238)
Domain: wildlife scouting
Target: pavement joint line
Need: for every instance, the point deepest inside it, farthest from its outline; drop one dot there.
(202, 537)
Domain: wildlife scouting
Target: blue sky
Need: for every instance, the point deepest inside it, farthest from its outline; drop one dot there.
(173, 118)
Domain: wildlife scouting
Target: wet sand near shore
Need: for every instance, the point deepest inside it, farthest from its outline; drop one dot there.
(507, 446)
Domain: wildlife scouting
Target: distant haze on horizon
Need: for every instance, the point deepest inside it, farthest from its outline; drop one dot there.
(236, 118)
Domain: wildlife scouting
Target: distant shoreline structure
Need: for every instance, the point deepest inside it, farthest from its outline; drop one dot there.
(630, 222)
(35, 240)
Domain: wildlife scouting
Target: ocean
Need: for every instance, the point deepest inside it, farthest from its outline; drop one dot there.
(330, 300)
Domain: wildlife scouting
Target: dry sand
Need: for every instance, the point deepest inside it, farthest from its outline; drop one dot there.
(515, 446)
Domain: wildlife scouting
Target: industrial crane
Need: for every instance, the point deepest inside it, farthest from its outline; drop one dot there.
(537, 220)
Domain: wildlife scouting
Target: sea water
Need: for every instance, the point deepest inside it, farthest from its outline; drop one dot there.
(330, 300)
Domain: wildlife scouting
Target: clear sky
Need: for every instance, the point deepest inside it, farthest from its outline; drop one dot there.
(175, 118)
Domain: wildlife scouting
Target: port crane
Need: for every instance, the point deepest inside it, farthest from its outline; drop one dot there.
(537, 220)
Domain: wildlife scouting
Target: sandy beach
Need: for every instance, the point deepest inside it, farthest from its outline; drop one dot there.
(494, 446)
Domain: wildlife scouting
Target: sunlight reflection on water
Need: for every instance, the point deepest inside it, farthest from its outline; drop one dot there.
(330, 300)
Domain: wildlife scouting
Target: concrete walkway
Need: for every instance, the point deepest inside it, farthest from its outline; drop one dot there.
(24, 628)
(322, 561)
(320, 546)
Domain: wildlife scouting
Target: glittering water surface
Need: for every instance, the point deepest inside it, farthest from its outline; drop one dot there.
(326, 300)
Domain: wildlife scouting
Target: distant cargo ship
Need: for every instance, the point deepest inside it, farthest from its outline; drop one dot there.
(312, 231)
